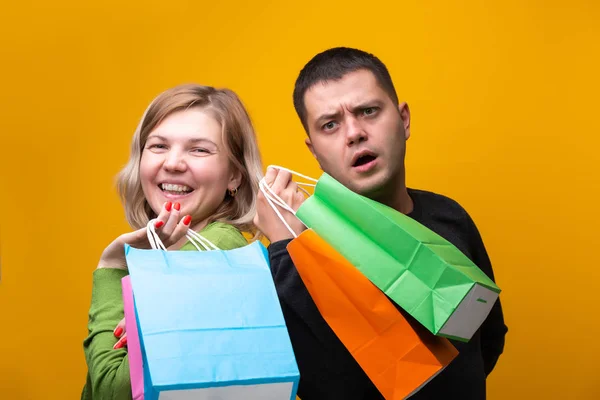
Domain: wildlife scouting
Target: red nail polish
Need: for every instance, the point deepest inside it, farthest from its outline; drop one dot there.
(158, 224)
(118, 332)
(119, 345)
(168, 206)
(124, 341)
(177, 206)
(187, 219)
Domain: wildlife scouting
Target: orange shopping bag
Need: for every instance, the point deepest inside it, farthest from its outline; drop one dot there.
(398, 356)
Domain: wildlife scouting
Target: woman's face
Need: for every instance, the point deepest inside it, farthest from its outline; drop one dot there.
(183, 161)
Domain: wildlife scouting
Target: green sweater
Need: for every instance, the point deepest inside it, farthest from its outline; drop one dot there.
(108, 369)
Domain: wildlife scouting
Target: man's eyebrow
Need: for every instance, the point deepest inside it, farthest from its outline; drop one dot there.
(357, 107)
(366, 104)
(326, 116)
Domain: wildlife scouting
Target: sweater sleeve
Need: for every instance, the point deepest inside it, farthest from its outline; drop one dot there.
(290, 287)
(108, 369)
(327, 369)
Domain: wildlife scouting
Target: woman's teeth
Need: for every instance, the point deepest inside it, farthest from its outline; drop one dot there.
(177, 189)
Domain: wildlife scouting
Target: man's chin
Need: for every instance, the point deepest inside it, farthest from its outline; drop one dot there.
(371, 188)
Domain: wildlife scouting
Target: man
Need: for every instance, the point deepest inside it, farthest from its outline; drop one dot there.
(357, 131)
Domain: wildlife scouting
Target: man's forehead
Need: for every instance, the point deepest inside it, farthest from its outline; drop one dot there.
(353, 82)
(331, 96)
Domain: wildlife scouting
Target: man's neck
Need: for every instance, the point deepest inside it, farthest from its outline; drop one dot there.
(399, 201)
(398, 198)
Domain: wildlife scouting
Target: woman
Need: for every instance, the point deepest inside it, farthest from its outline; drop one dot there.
(194, 164)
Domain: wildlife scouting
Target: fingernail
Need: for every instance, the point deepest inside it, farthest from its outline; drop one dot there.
(177, 206)
(118, 345)
(158, 224)
(124, 341)
(118, 332)
(187, 219)
(168, 206)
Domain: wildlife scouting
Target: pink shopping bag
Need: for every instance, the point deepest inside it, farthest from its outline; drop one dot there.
(134, 351)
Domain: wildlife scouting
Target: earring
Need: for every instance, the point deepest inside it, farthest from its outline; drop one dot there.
(232, 192)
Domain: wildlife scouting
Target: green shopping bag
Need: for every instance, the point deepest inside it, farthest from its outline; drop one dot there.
(419, 270)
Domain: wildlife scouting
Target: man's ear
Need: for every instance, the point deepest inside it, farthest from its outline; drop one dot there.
(310, 146)
(312, 150)
(405, 115)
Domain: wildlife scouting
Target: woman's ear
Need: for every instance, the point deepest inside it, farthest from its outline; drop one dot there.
(235, 180)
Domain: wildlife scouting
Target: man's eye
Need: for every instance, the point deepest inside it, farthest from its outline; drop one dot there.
(329, 126)
(369, 111)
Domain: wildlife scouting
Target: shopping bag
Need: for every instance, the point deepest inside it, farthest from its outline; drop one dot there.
(210, 325)
(398, 354)
(422, 272)
(134, 352)
(399, 357)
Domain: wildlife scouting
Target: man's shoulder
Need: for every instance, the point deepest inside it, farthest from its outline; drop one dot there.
(430, 201)
(446, 217)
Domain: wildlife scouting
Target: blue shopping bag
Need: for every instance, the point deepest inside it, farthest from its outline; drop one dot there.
(210, 325)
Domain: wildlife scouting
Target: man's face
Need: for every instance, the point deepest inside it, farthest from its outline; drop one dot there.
(358, 134)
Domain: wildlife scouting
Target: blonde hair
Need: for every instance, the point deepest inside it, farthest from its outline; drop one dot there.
(240, 144)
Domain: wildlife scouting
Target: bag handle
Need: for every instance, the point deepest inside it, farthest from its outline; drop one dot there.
(273, 199)
(276, 198)
(297, 174)
(195, 239)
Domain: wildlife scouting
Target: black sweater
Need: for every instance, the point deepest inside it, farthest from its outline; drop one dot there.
(328, 370)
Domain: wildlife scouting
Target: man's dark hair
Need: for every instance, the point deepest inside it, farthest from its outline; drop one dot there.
(334, 64)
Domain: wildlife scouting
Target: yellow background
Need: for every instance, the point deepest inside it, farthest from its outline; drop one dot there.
(504, 97)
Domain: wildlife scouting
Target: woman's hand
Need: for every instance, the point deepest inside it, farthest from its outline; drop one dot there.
(120, 332)
(168, 226)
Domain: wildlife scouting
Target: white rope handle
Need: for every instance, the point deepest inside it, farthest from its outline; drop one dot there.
(297, 174)
(273, 199)
(195, 239)
(153, 238)
(207, 244)
(300, 184)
